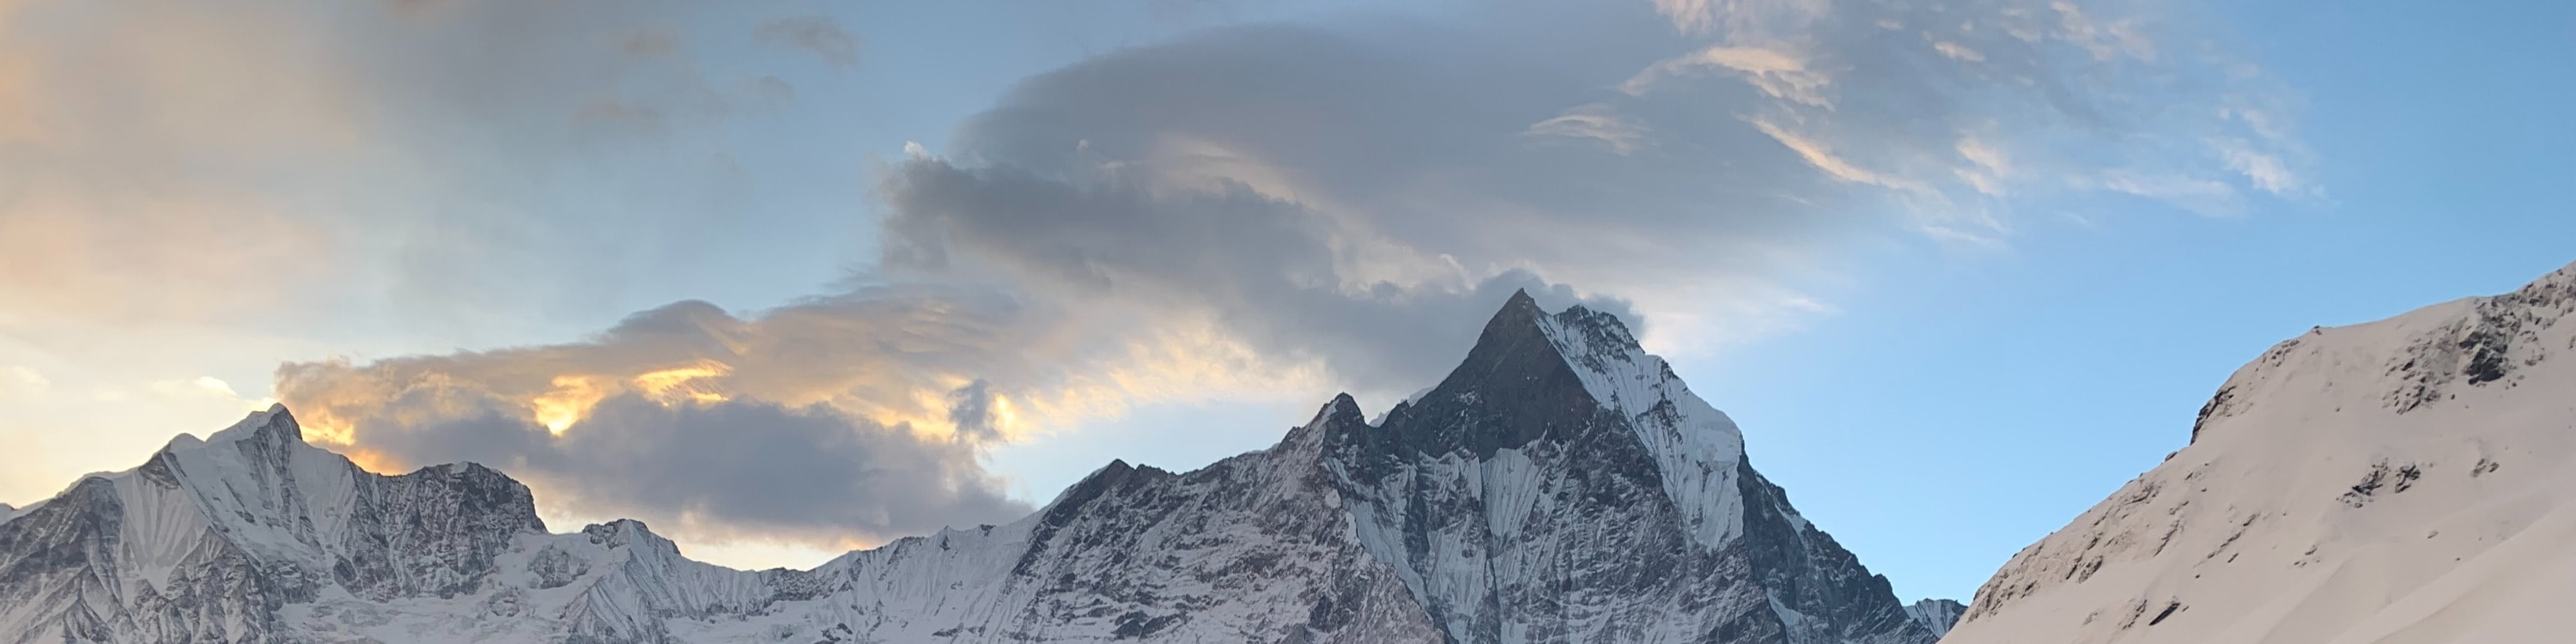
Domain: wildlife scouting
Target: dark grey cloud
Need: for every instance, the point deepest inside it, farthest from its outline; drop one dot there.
(1358, 198)
(693, 417)
(970, 410)
(735, 468)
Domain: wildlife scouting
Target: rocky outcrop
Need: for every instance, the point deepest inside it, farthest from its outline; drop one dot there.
(1936, 615)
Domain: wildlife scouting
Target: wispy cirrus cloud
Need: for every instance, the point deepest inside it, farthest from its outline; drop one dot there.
(1924, 100)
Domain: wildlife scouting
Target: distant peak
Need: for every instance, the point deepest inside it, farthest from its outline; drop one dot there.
(629, 532)
(183, 442)
(274, 424)
(1343, 408)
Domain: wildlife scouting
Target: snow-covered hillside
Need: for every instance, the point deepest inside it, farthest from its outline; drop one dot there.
(2406, 481)
(1560, 485)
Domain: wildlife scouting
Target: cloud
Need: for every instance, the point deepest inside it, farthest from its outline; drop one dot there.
(815, 35)
(1779, 74)
(1957, 51)
(2203, 195)
(1273, 210)
(15, 380)
(2105, 40)
(717, 471)
(2082, 98)
(1597, 122)
(1823, 159)
(690, 416)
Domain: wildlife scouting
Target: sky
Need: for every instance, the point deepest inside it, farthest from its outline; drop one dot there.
(789, 278)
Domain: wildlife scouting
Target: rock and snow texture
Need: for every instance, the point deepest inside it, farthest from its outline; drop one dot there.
(1936, 615)
(2406, 481)
(1560, 485)
(209, 540)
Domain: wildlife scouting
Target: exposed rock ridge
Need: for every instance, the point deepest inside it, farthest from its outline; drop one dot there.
(1936, 615)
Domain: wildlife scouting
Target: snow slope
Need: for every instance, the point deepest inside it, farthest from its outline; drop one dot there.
(2405, 481)
(1559, 485)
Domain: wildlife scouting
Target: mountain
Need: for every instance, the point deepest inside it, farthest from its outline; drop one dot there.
(1936, 615)
(1559, 485)
(2408, 480)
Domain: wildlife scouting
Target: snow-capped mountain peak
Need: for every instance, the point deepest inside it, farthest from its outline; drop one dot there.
(1557, 442)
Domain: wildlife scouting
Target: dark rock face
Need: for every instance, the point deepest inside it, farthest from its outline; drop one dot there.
(2500, 336)
(1513, 388)
(1807, 573)
(435, 531)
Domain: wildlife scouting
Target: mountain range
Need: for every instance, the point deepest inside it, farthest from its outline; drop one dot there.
(1559, 485)
(2395, 482)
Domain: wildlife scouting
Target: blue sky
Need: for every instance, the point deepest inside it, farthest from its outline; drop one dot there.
(1959, 408)
(1949, 310)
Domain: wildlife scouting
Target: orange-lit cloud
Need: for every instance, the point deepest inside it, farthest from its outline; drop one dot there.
(566, 404)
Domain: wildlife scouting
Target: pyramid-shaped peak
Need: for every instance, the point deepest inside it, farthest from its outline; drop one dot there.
(1522, 320)
(1342, 408)
(1520, 316)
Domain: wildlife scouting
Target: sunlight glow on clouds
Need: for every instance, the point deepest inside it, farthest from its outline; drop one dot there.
(1252, 212)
